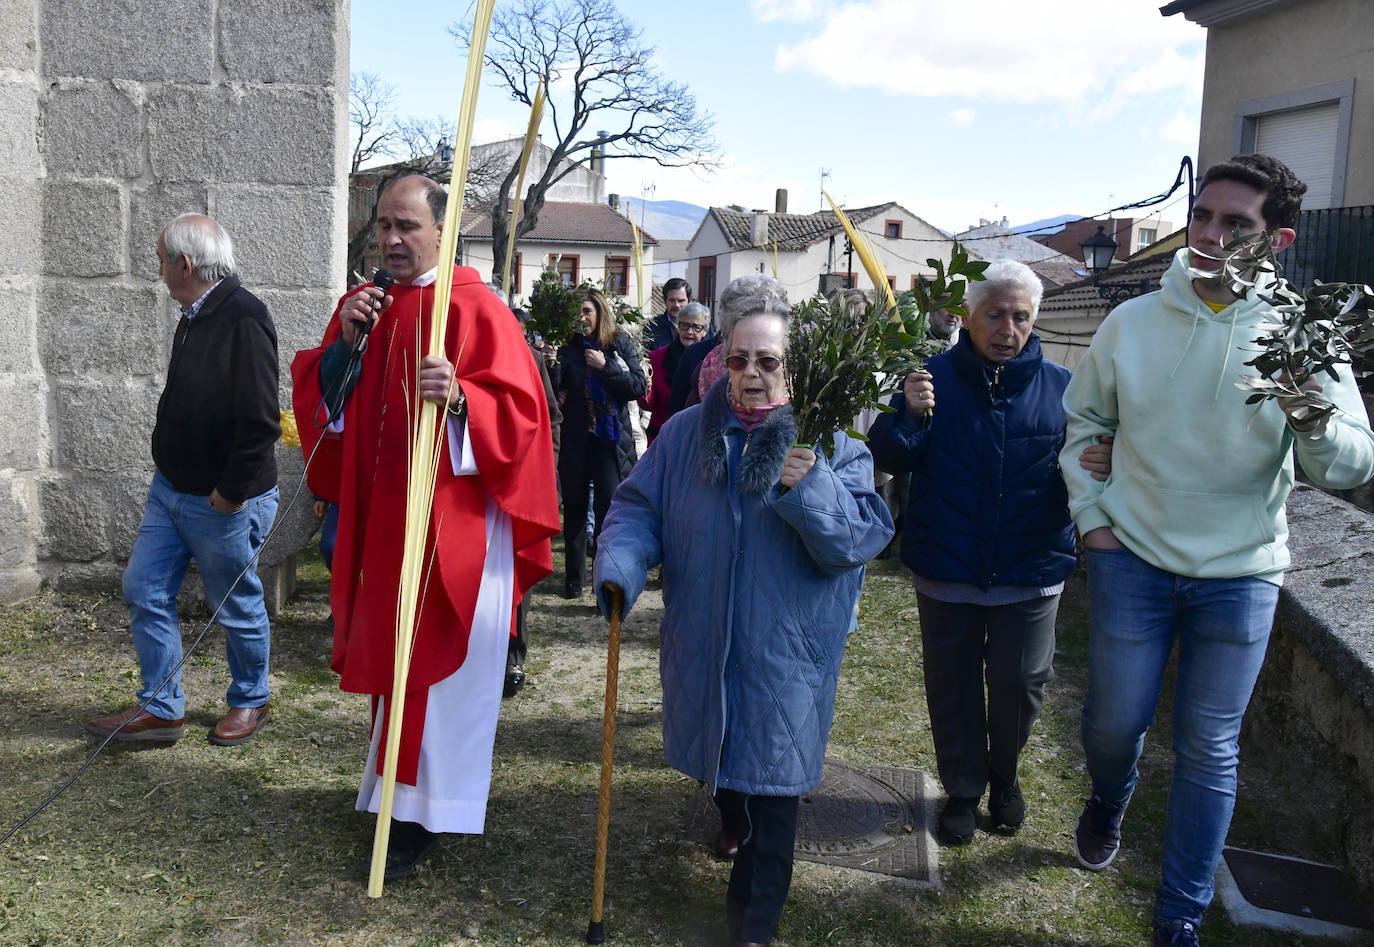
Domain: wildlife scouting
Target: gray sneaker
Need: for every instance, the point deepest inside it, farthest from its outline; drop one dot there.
(1098, 836)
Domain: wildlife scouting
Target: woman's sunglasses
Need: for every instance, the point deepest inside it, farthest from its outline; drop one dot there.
(766, 363)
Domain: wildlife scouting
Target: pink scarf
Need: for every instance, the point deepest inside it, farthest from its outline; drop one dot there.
(752, 417)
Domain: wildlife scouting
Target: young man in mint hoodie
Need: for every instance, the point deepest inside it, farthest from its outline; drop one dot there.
(1186, 540)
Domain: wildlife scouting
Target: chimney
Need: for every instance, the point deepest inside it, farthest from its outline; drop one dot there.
(614, 201)
(1004, 220)
(758, 228)
(780, 201)
(598, 162)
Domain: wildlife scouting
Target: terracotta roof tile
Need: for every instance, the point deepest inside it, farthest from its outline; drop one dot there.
(563, 222)
(789, 231)
(1083, 296)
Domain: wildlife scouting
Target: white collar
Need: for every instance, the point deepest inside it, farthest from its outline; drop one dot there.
(426, 278)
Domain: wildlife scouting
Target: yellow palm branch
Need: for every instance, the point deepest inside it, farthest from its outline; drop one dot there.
(423, 451)
(531, 136)
(868, 256)
(638, 254)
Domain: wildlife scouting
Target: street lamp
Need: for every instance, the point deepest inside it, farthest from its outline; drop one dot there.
(1098, 251)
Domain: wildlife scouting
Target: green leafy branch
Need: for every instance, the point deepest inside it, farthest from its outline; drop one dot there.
(840, 363)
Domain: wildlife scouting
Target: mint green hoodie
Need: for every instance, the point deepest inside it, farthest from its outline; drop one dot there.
(1198, 477)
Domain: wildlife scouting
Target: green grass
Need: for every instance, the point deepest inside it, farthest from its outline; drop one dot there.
(259, 844)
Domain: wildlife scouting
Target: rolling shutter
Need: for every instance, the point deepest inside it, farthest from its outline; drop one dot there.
(1305, 140)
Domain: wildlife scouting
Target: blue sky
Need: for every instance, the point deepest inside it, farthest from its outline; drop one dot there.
(958, 111)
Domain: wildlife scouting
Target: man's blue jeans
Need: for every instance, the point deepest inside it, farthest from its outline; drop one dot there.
(1222, 627)
(175, 528)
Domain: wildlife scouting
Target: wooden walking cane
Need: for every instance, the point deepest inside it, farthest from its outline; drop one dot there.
(596, 933)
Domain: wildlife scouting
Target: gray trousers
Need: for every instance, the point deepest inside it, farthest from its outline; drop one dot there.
(1008, 648)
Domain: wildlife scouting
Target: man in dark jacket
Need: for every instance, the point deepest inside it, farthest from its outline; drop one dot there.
(988, 539)
(214, 493)
(662, 329)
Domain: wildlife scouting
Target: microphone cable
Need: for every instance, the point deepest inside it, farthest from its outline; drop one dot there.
(355, 359)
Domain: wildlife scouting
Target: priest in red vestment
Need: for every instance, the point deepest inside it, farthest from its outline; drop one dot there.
(495, 507)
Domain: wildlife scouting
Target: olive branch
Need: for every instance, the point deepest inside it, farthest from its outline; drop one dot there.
(1309, 332)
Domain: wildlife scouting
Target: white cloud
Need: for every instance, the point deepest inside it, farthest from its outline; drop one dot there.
(1002, 51)
(960, 117)
(493, 129)
(1182, 129)
(795, 10)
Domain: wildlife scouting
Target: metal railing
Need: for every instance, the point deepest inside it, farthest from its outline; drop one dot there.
(1334, 246)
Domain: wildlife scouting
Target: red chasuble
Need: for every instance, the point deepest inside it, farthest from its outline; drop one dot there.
(508, 428)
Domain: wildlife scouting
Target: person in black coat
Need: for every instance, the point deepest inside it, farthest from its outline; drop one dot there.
(598, 375)
(214, 493)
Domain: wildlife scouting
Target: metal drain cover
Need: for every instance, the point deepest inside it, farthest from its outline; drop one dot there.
(870, 818)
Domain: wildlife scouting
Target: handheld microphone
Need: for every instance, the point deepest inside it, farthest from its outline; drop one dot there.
(383, 280)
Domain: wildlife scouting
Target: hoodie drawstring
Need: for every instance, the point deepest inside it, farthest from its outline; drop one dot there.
(1226, 358)
(1184, 354)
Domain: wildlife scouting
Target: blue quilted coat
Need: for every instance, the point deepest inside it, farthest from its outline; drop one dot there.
(760, 589)
(987, 506)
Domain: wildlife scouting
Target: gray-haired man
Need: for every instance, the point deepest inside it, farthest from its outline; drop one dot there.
(214, 493)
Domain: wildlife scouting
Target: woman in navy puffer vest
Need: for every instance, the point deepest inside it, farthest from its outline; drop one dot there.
(988, 539)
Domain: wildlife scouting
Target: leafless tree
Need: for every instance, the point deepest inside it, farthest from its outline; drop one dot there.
(420, 145)
(600, 75)
(370, 117)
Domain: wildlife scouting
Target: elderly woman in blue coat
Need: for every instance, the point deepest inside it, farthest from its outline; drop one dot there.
(988, 539)
(763, 546)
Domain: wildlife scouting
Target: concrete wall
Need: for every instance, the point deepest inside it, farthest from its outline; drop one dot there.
(581, 185)
(1297, 47)
(117, 117)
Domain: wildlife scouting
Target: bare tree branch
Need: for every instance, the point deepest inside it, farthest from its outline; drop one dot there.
(600, 75)
(370, 118)
(420, 145)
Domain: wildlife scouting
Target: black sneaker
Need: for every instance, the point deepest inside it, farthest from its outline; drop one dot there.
(1098, 836)
(1175, 934)
(958, 821)
(1006, 806)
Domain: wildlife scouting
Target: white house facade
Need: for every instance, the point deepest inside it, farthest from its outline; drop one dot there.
(807, 251)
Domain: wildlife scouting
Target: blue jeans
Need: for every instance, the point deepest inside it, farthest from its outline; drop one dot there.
(176, 527)
(1222, 627)
(329, 533)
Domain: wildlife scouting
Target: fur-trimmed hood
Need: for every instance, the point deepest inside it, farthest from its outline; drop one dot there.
(761, 463)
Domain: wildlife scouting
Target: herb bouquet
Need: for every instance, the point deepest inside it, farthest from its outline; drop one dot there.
(839, 364)
(1312, 331)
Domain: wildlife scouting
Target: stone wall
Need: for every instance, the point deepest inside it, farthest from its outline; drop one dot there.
(114, 118)
(1314, 703)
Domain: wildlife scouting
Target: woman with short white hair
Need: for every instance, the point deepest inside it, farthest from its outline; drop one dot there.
(987, 537)
(763, 545)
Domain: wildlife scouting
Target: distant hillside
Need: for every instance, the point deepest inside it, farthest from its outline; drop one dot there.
(665, 220)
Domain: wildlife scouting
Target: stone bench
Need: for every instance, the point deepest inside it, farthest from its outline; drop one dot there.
(1315, 696)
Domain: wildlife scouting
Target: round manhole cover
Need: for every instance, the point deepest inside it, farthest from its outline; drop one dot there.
(852, 813)
(867, 817)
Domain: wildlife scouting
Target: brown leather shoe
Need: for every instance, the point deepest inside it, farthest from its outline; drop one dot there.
(727, 846)
(137, 725)
(238, 725)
